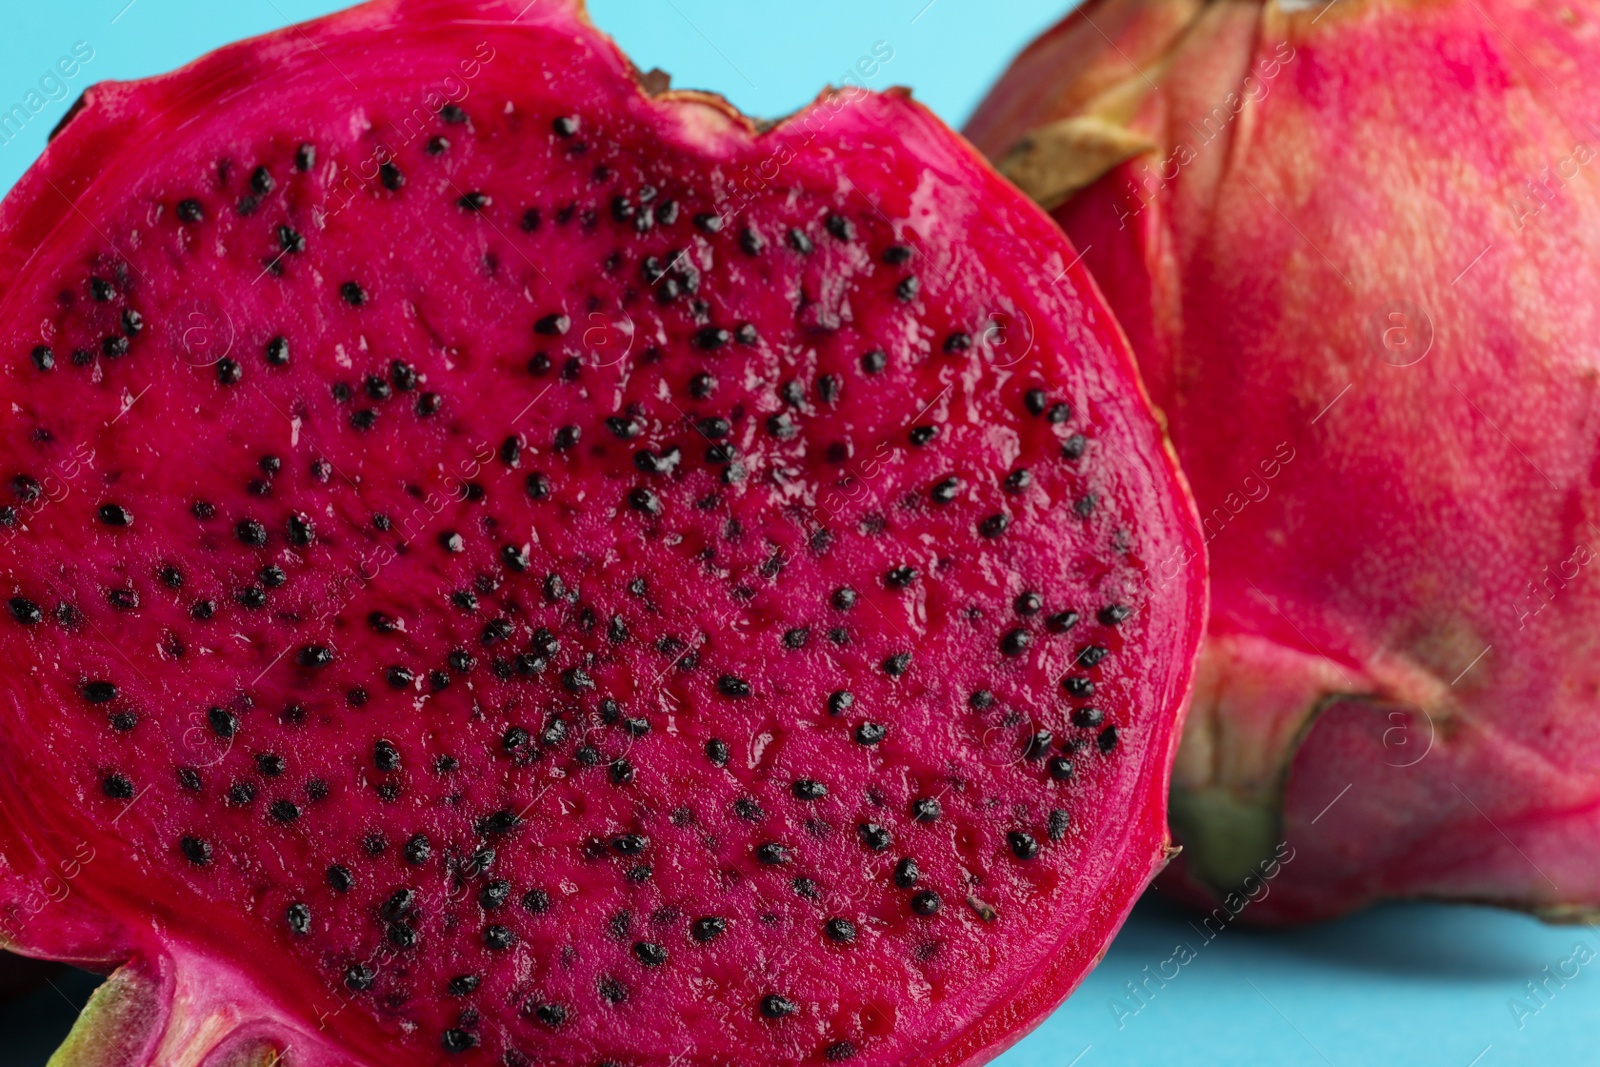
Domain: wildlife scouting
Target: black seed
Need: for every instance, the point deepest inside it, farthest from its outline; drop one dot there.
(702, 386)
(229, 372)
(299, 919)
(776, 1006)
(566, 125)
(1028, 603)
(270, 764)
(945, 491)
(717, 752)
(302, 531)
(284, 811)
(99, 692)
(453, 114)
(1074, 446)
(391, 177)
(876, 838)
(474, 201)
(536, 901)
(43, 357)
(840, 227)
(1108, 739)
(352, 293)
(123, 721)
(458, 1040)
(896, 255)
(799, 241)
(957, 342)
(1087, 718)
(418, 849)
(751, 241)
(906, 873)
(1089, 655)
(1061, 768)
(122, 599)
(908, 288)
(1015, 642)
(429, 403)
(809, 789)
(115, 346)
(708, 929)
(25, 611)
(400, 677)
(844, 598)
(797, 637)
(385, 756)
(772, 854)
(552, 1015)
(649, 954)
(314, 657)
(553, 325)
(994, 525)
(1023, 845)
(1058, 824)
(117, 787)
(359, 977)
(202, 610)
(926, 809)
(621, 772)
(729, 686)
(251, 532)
(1061, 622)
(357, 697)
(980, 699)
(290, 240)
(224, 723)
(709, 223)
(900, 577)
(1058, 413)
(341, 879)
(870, 733)
(642, 499)
(711, 337)
(926, 903)
(566, 437)
(495, 894)
(1078, 687)
(1085, 505)
(897, 664)
(196, 850)
(378, 388)
(840, 701)
(191, 210)
(1114, 614)
(1037, 746)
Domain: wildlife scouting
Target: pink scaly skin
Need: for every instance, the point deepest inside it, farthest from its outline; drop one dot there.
(503, 563)
(1357, 250)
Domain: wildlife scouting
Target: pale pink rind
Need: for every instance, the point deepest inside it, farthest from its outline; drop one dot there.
(1358, 267)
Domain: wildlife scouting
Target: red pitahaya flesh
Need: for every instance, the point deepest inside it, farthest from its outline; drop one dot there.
(505, 559)
(1358, 253)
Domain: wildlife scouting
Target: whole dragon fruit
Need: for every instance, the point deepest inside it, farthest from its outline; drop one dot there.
(507, 560)
(1356, 246)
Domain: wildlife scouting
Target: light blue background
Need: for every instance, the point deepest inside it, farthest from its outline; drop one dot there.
(1411, 984)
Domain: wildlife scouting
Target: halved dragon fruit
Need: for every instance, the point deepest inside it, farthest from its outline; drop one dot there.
(502, 559)
(1357, 248)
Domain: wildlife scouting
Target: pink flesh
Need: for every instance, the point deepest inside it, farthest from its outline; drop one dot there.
(728, 569)
(1424, 554)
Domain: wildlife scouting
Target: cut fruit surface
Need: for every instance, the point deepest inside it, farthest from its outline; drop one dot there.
(502, 562)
